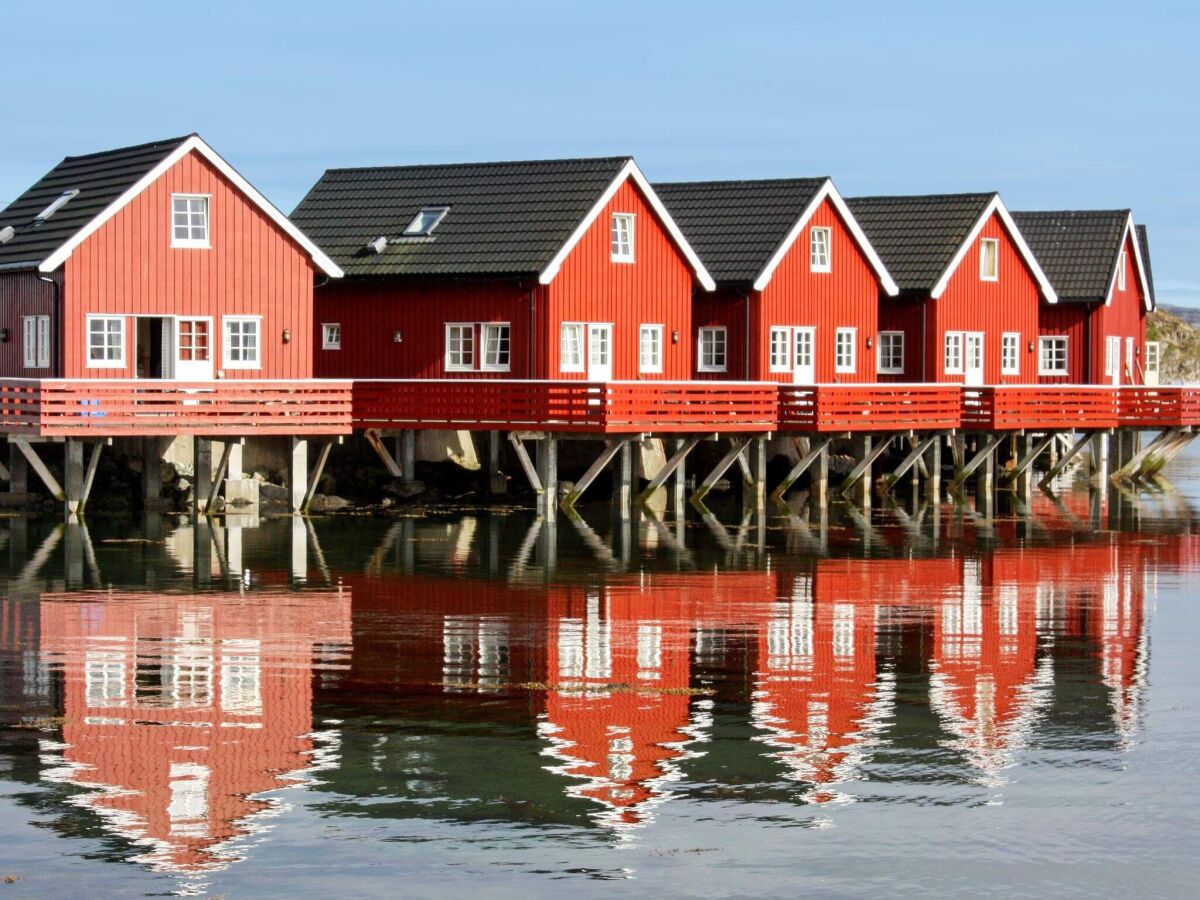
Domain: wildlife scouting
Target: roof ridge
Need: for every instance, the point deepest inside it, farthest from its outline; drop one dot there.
(951, 196)
(486, 163)
(175, 141)
(1060, 212)
(794, 180)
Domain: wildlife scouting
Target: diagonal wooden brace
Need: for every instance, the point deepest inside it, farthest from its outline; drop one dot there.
(977, 460)
(920, 446)
(1066, 458)
(1028, 460)
(736, 447)
(821, 445)
(611, 448)
(526, 463)
(877, 450)
(689, 444)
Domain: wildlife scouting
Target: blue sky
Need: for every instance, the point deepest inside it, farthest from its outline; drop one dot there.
(1054, 104)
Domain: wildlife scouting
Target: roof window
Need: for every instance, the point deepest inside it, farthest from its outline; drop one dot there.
(426, 220)
(59, 203)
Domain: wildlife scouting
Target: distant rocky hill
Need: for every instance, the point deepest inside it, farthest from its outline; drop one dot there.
(1177, 328)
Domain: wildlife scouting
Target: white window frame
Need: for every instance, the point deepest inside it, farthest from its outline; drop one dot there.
(192, 243)
(462, 366)
(331, 336)
(780, 333)
(1112, 355)
(414, 228)
(580, 330)
(815, 261)
(655, 365)
(1010, 340)
(35, 341)
(504, 329)
(227, 360)
(1043, 341)
(623, 246)
(1153, 358)
(884, 338)
(118, 363)
(703, 336)
(956, 339)
(840, 367)
(994, 243)
(1122, 263)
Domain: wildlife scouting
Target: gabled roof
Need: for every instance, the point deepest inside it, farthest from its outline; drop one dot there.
(923, 238)
(505, 218)
(743, 229)
(1079, 249)
(106, 182)
(1143, 239)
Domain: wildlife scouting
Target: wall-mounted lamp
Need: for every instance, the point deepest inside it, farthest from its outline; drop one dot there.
(3, 335)
(397, 337)
(1137, 350)
(870, 343)
(287, 335)
(674, 336)
(1031, 346)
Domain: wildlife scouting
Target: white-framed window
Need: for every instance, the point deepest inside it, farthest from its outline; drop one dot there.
(243, 342)
(106, 342)
(1052, 355)
(331, 336)
(989, 259)
(460, 346)
(952, 362)
(36, 341)
(1153, 357)
(497, 346)
(1010, 353)
(426, 220)
(189, 220)
(781, 349)
(891, 353)
(650, 349)
(1112, 355)
(711, 348)
(819, 249)
(845, 350)
(571, 347)
(622, 237)
(1122, 263)
(193, 342)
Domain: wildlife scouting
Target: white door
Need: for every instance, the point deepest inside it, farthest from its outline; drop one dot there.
(973, 361)
(804, 371)
(599, 353)
(1129, 360)
(1112, 359)
(191, 348)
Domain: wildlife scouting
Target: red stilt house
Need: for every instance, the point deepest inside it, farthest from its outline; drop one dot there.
(547, 269)
(798, 283)
(970, 289)
(1098, 262)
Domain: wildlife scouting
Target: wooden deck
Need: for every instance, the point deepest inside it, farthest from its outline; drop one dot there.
(869, 407)
(1039, 408)
(1159, 407)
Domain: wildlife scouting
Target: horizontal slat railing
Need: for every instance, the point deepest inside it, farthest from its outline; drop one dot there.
(613, 407)
(1046, 406)
(1159, 407)
(869, 407)
(128, 408)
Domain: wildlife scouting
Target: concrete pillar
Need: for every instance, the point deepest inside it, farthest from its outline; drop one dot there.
(679, 481)
(1099, 450)
(985, 486)
(495, 482)
(547, 470)
(202, 463)
(862, 489)
(933, 462)
(240, 491)
(18, 471)
(73, 475)
(408, 455)
(758, 468)
(820, 480)
(623, 480)
(297, 472)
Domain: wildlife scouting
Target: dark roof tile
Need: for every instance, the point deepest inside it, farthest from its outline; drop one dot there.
(1077, 249)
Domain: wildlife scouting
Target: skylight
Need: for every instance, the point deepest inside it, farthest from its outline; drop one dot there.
(59, 203)
(426, 220)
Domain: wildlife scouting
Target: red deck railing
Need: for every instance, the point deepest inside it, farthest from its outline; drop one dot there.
(1159, 407)
(53, 407)
(1032, 407)
(614, 407)
(869, 407)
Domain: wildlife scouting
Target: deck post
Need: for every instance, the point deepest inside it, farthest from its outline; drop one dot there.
(933, 484)
(495, 483)
(623, 479)
(408, 454)
(547, 471)
(297, 473)
(861, 476)
(819, 492)
(1099, 458)
(758, 465)
(73, 475)
(985, 485)
(679, 479)
(201, 474)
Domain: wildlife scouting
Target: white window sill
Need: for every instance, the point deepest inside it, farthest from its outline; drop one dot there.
(992, 279)
(245, 366)
(824, 270)
(899, 371)
(712, 369)
(496, 369)
(110, 364)
(623, 259)
(191, 245)
(1057, 373)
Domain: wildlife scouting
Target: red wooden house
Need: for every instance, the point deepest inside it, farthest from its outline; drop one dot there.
(970, 289)
(1098, 262)
(157, 261)
(545, 269)
(798, 283)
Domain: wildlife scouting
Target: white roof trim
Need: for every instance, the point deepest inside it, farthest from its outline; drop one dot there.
(323, 262)
(629, 170)
(828, 191)
(1129, 235)
(997, 207)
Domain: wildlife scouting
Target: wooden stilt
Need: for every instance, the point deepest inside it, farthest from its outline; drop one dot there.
(1065, 459)
(547, 470)
(817, 450)
(737, 445)
(676, 462)
(612, 447)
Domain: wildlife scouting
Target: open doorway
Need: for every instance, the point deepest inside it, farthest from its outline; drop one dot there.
(155, 347)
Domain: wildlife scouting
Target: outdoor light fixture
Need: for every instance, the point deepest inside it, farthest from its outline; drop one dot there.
(674, 336)
(1137, 351)
(287, 335)
(1031, 346)
(3, 335)
(869, 344)
(397, 337)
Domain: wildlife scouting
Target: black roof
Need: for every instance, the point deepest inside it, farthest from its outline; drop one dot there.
(100, 179)
(1144, 246)
(917, 236)
(736, 226)
(1077, 249)
(504, 218)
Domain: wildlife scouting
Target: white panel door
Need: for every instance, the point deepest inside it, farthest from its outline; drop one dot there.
(1112, 359)
(1129, 363)
(804, 369)
(191, 349)
(599, 353)
(973, 357)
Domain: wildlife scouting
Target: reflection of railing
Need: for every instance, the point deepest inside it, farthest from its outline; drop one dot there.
(1160, 407)
(54, 407)
(1044, 406)
(869, 407)
(612, 407)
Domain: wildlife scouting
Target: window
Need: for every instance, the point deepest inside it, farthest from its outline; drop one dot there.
(953, 362)
(189, 220)
(844, 350)
(989, 260)
(571, 349)
(1010, 354)
(1112, 354)
(242, 342)
(193, 340)
(622, 237)
(1153, 357)
(426, 220)
(781, 349)
(1121, 264)
(331, 336)
(1052, 355)
(818, 250)
(712, 346)
(106, 342)
(650, 349)
(891, 352)
(497, 346)
(460, 347)
(36, 343)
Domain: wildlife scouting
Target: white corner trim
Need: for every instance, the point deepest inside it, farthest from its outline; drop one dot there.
(629, 170)
(323, 262)
(828, 191)
(997, 207)
(1130, 236)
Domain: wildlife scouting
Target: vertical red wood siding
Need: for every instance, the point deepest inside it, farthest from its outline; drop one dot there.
(1074, 321)
(1124, 317)
(24, 294)
(906, 314)
(128, 266)
(725, 308)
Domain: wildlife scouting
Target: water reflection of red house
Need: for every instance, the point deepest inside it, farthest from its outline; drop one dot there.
(179, 709)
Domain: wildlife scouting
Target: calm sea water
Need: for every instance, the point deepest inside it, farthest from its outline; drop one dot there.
(922, 702)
